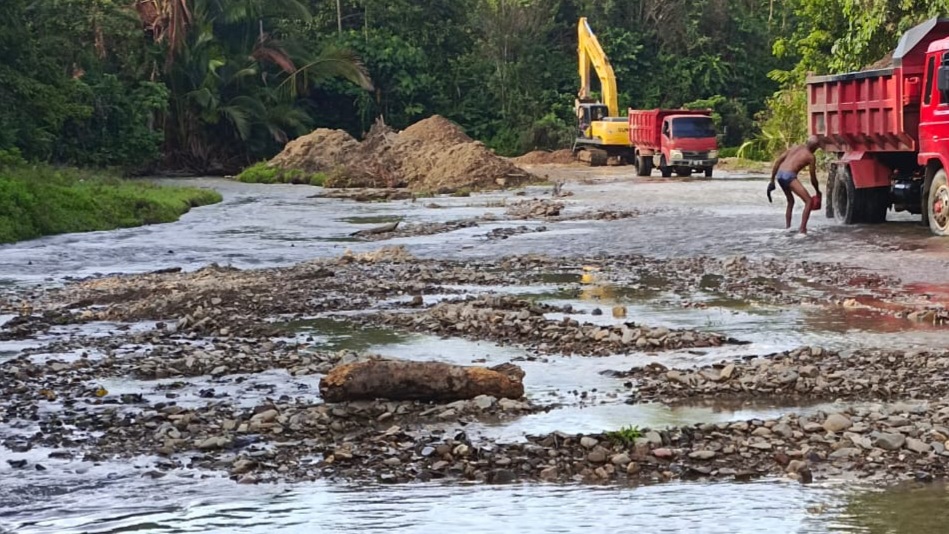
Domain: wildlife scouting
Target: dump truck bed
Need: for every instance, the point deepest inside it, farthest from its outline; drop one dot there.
(869, 111)
(645, 124)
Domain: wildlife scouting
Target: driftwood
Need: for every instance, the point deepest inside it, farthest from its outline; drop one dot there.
(408, 380)
(384, 229)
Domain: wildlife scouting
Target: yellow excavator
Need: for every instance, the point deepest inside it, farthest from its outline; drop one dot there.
(603, 133)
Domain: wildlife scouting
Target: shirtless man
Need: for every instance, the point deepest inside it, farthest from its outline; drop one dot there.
(785, 169)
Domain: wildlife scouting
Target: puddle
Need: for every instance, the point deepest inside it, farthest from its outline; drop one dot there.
(334, 334)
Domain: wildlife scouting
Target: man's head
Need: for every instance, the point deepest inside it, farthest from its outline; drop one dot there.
(813, 143)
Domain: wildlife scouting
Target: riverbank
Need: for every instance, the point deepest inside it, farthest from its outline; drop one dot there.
(36, 201)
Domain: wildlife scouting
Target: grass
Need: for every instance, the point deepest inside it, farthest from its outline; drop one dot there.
(262, 173)
(626, 435)
(40, 200)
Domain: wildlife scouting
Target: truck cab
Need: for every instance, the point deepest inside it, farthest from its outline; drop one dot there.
(934, 135)
(689, 143)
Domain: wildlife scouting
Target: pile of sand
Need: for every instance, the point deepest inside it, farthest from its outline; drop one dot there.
(432, 155)
(884, 62)
(543, 157)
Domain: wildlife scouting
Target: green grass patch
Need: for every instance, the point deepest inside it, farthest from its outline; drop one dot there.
(626, 436)
(39, 200)
(262, 173)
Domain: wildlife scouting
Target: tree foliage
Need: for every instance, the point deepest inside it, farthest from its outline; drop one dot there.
(208, 85)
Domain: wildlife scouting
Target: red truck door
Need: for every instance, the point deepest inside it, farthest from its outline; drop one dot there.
(934, 114)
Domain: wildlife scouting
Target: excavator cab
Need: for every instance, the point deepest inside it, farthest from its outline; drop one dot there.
(587, 114)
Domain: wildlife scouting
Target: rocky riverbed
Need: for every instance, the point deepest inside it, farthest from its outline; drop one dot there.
(219, 378)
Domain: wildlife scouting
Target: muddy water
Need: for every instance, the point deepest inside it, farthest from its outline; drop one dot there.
(279, 225)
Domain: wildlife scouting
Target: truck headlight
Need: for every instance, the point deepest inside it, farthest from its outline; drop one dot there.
(713, 154)
(675, 155)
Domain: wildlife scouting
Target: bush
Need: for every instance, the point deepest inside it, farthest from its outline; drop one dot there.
(262, 173)
(38, 201)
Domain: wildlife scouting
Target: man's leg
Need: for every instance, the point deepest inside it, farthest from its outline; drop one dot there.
(790, 210)
(800, 191)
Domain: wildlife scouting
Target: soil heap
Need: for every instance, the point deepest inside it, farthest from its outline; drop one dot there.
(563, 156)
(433, 155)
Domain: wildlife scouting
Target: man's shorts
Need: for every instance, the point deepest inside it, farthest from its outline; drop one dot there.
(785, 178)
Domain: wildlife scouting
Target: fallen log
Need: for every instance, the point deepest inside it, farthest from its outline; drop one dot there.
(384, 229)
(408, 380)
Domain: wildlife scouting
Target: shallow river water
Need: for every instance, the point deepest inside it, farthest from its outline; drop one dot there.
(259, 226)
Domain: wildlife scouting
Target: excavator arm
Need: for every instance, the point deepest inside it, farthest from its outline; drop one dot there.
(591, 54)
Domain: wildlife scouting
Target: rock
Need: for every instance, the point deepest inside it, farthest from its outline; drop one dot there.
(663, 453)
(917, 445)
(836, 422)
(484, 402)
(392, 462)
(888, 441)
(845, 452)
(632, 468)
(782, 429)
(795, 466)
(811, 426)
(587, 442)
(653, 437)
(427, 451)
(727, 372)
(597, 456)
(265, 417)
(214, 442)
(761, 445)
(243, 466)
(620, 459)
(550, 473)
(702, 455)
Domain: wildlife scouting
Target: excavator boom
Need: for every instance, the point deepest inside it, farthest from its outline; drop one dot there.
(591, 54)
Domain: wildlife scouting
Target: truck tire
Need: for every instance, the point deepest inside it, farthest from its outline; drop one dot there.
(683, 172)
(875, 202)
(664, 169)
(643, 165)
(938, 204)
(844, 198)
(829, 202)
(709, 171)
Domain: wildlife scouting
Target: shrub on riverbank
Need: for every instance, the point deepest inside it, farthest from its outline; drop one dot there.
(262, 173)
(38, 201)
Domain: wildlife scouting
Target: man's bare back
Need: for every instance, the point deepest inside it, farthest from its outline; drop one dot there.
(786, 169)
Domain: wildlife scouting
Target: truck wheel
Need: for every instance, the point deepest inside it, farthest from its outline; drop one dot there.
(844, 198)
(938, 205)
(829, 201)
(683, 172)
(664, 169)
(643, 166)
(876, 201)
(709, 171)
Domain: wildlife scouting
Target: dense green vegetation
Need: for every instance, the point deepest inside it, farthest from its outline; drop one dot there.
(261, 173)
(207, 86)
(40, 200)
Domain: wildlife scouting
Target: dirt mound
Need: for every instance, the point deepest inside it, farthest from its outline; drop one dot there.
(884, 62)
(542, 157)
(436, 129)
(320, 151)
(432, 155)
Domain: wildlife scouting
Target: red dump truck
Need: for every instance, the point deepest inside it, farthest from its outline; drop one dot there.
(680, 140)
(889, 129)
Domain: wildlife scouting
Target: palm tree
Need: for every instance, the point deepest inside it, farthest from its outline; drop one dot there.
(233, 81)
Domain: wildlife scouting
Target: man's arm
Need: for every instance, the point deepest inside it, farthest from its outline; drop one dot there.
(813, 169)
(777, 165)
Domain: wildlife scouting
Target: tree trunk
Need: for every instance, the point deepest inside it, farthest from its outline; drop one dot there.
(431, 381)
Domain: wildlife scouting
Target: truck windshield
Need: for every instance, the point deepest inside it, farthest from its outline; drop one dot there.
(693, 127)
